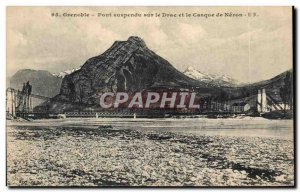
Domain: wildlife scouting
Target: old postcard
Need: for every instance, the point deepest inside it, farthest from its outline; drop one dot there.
(150, 96)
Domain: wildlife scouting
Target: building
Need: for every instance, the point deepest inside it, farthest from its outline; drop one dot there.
(240, 107)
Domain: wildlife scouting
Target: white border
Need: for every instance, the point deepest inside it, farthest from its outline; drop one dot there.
(4, 3)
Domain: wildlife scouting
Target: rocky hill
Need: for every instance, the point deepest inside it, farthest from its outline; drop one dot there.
(126, 66)
(274, 86)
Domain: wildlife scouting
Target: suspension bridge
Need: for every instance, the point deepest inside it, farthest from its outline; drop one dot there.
(22, 102)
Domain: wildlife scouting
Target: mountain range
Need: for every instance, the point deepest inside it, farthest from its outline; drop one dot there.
(213, 79)
(130, 66)
(49, 86)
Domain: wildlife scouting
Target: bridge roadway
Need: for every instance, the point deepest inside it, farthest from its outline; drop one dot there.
(74, 114)
(124, 114)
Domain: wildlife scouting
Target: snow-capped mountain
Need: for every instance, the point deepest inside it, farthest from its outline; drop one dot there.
(64, 73)
(210, 78)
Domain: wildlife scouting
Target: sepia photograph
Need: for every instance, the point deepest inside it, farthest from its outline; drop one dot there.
(184, 96)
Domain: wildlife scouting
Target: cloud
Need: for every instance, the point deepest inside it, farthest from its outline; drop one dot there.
(37, 40)
(190, 33)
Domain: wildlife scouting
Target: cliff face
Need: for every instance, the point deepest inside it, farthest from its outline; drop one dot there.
(126, 66)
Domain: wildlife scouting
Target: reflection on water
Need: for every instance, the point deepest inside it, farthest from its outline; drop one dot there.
(252, 128)
(226, 127)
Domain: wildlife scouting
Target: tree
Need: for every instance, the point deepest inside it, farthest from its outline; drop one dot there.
(245, 92)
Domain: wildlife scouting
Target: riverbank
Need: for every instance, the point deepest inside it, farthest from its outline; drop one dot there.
(105, 156)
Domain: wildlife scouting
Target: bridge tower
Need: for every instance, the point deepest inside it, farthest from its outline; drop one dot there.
(19, 101)
(11, 97)
(262, 101)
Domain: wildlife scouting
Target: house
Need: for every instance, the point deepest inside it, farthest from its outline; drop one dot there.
(240, 107)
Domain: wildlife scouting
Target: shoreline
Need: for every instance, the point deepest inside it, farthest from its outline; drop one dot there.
(282, 129)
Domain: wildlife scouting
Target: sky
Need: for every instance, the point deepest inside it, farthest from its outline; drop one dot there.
(248, 49)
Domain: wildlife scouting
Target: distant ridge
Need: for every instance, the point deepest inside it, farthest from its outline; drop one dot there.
(43, 82)
(211, 79)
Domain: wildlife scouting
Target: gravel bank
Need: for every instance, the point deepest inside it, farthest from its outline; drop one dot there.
(77, 156)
